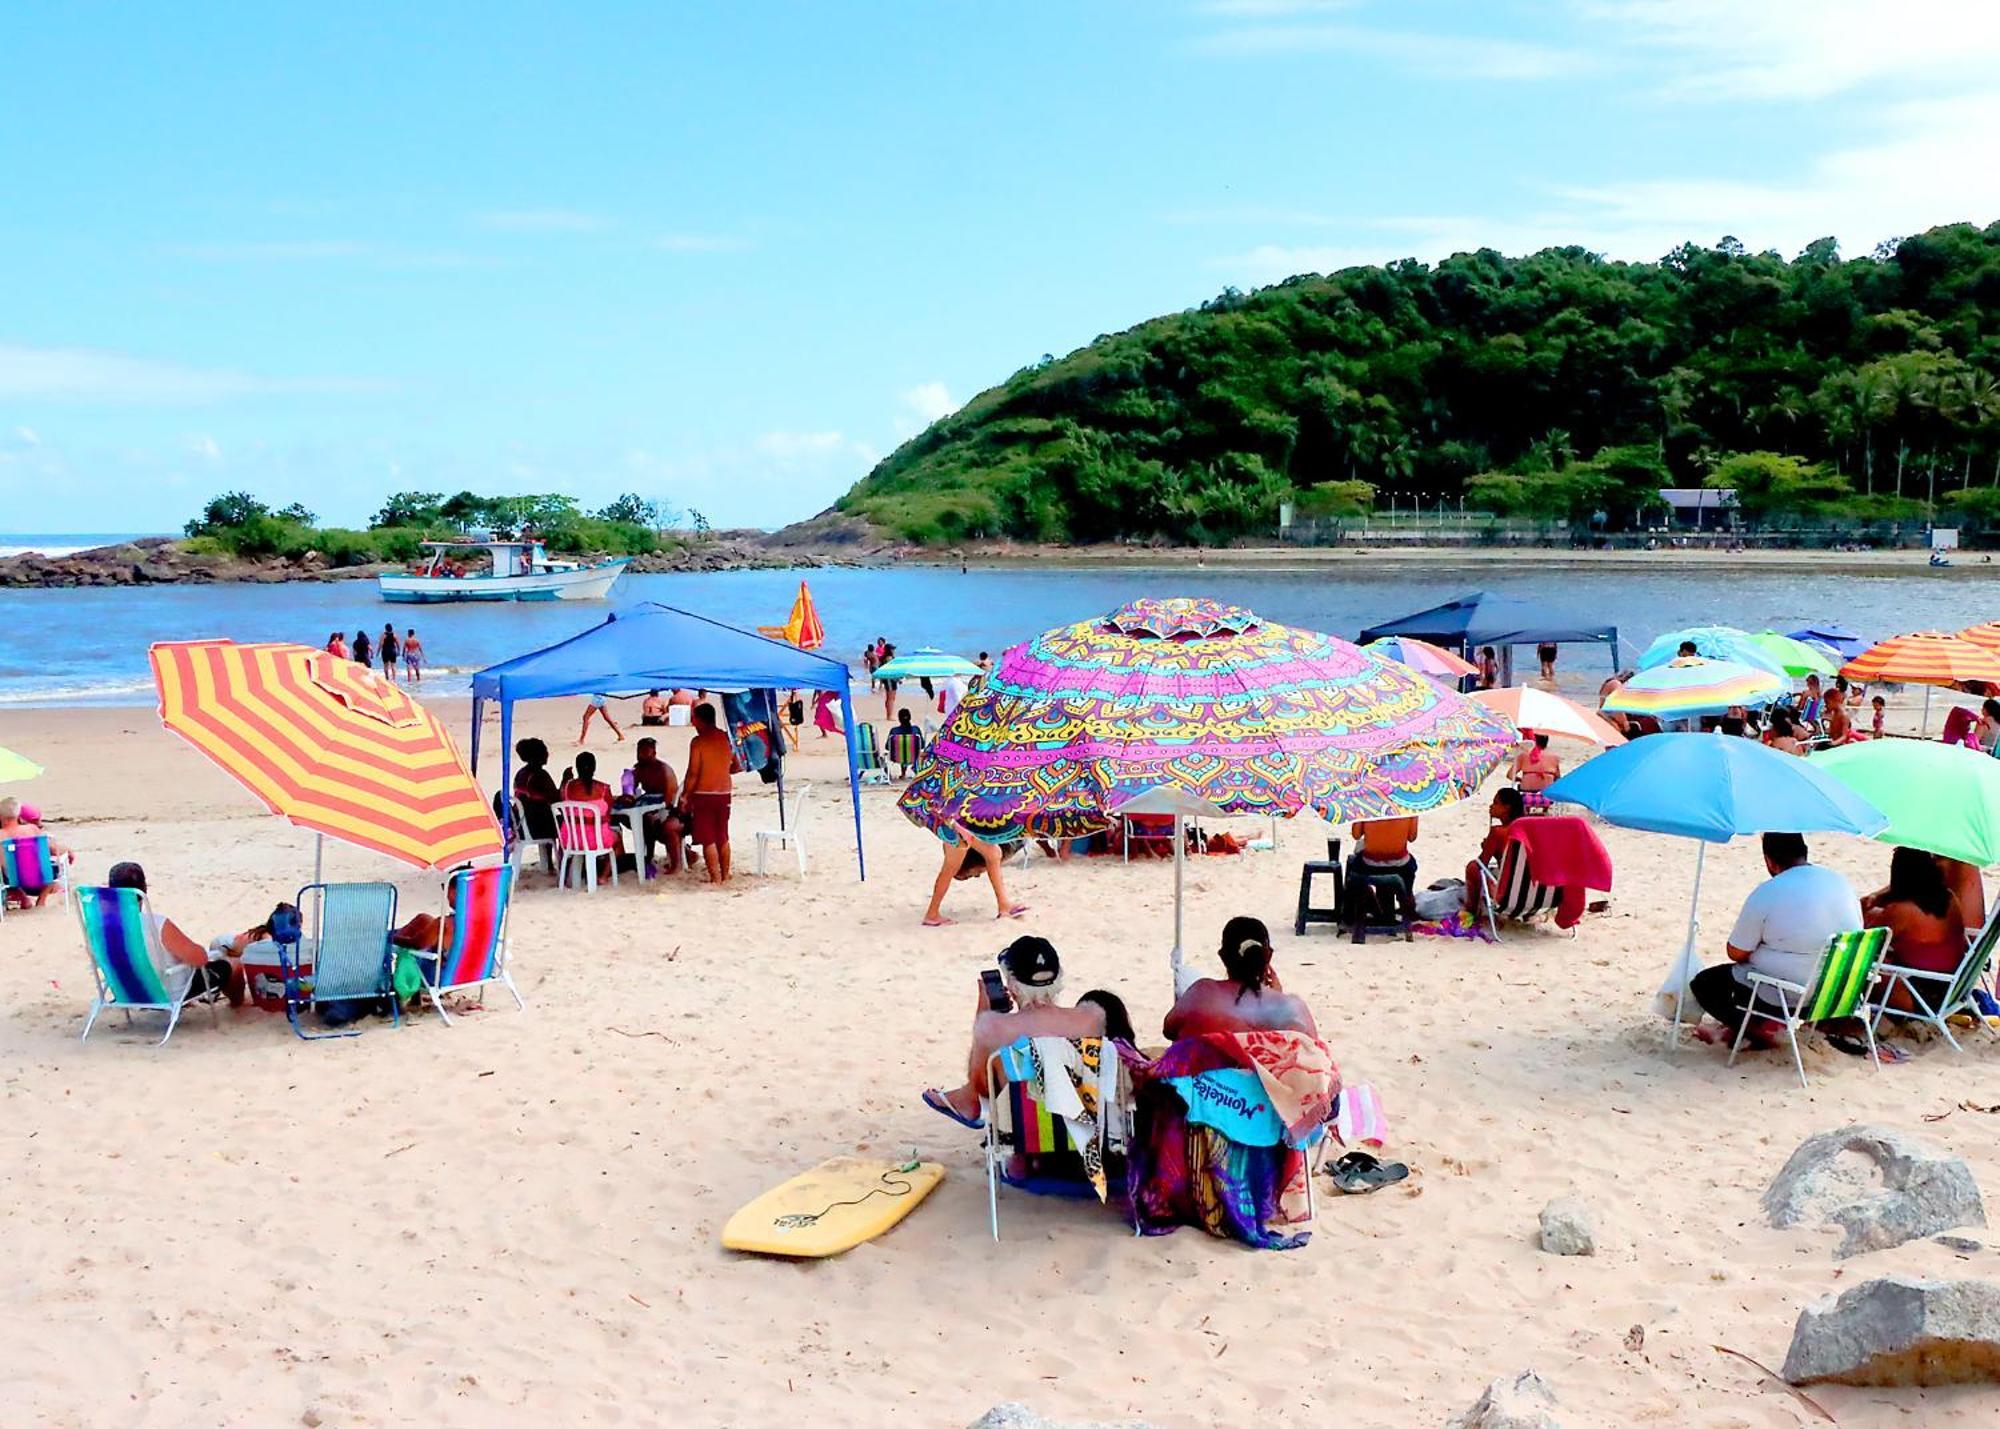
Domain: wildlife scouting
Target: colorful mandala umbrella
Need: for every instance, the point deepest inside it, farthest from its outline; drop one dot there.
(1253, 716)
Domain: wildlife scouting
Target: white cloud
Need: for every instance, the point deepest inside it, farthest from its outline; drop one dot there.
(81, 374)
(1929, 163)
(205, 447)
(326, 250)
(1456, 56)
(1802, 49)
(930, 401)
(27, 436)
(701, 243)
(541, 220)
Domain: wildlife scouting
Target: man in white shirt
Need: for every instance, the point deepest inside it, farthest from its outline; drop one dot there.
(1785, 925)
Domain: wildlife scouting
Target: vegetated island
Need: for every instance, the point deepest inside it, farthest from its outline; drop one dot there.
(1831, 394)
(238, 538)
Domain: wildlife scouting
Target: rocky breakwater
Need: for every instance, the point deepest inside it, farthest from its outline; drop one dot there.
(158, 560)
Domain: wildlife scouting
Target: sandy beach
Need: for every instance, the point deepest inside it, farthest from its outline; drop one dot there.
(514, 1220)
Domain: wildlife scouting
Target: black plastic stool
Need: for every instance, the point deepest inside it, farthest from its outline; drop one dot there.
(1380, 893)
(1307, 912)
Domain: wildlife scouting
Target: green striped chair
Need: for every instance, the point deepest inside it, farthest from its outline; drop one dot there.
(1933, 1006)
(125, 958)
(1848, 968)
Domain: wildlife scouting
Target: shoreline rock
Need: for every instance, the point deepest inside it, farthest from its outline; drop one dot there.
(1879, 1185)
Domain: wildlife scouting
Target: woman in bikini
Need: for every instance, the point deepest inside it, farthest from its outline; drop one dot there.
(1926, 930)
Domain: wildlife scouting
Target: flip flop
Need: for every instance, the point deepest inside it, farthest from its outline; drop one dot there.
(1855, 1047)
(1358, 1173)
(938, 923)
(1019, 910)
(934, 1099)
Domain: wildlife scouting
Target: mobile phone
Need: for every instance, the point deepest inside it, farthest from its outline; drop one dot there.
(996, 989)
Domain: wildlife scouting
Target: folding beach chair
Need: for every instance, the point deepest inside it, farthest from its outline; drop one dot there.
(1017, 1114)
(1511, 892)
(792, 836)
(868, 755)
(28, 865)
(478, 900)
(905, 747)
(350, 961)
(1847, 969)
(125, 959)
(1957, 988)
(583, 836)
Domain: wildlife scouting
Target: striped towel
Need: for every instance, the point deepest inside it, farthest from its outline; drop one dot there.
(1358, 1119)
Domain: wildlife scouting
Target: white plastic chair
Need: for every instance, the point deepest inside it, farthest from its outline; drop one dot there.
(522, 842)
(583, 835)
(793, 834)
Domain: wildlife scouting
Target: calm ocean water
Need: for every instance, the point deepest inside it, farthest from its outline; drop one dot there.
(89, 646)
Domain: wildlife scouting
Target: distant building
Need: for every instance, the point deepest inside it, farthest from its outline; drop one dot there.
(1700, 508)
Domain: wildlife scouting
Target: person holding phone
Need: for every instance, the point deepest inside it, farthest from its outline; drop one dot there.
(1017, 1000)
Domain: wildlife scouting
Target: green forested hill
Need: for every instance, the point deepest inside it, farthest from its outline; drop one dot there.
(1556, 384)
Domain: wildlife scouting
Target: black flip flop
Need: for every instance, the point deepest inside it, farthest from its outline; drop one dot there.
(1358, 1173)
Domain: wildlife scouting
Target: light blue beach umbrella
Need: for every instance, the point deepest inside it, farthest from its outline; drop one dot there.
(1711, 787)
(1711, 642)
(927, 663)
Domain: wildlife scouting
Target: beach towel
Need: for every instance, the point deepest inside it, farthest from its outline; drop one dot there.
(1563, 851)
(1358, 1119)
(1185, 1172)
(1053, 1082)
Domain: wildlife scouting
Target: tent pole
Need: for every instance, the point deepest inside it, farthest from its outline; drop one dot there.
(853, 773)
(1925, 731)
(507, 773)
(1687, 948)
(478, 709)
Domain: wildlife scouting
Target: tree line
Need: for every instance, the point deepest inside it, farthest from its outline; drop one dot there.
(239, 524)
(1560, 385)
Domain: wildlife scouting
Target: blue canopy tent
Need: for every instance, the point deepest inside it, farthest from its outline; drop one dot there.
(652, 646)
(1483, 617)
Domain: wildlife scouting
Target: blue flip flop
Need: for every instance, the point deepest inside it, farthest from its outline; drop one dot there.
(934, 1099)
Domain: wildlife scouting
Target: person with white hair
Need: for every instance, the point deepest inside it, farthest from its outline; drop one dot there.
(1031, 976)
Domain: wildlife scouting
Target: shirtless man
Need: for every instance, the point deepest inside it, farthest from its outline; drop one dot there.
(706, 787)
(1033, 975)
(1383, 846)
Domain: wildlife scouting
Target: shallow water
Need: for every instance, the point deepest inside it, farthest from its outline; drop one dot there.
(90, 645)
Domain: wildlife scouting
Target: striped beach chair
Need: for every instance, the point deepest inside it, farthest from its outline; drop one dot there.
(868, 755)
(1849, 967)
(478, 900)
(905, 747)
(29, 866)
(350, 961)
(1018, 1119)
(1511, 893)
(1939, 996)
(125, 959)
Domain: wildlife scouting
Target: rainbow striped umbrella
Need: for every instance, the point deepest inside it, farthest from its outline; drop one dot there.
(1252, 716)
(1684, 688)
(1928, 657)
(328, 745)
(1422, 656)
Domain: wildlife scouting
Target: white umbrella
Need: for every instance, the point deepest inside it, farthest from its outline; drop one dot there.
(1169, 799)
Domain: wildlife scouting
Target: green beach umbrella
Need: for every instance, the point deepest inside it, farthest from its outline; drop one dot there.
(15, 767)
(1941, 798)
(1798, 658)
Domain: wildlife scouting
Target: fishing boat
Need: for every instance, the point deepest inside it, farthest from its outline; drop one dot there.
(519, 570)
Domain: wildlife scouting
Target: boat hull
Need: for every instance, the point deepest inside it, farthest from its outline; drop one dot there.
(590, 583)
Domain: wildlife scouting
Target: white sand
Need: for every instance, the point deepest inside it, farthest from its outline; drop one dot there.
(514, 1220)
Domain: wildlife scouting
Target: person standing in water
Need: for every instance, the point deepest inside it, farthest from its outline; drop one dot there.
(413, 657)
(390, 651)
(362, 652)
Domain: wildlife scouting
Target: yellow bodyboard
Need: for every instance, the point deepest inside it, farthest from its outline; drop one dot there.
(804, 1217)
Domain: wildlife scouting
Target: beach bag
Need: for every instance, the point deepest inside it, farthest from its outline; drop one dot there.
(1440, 901)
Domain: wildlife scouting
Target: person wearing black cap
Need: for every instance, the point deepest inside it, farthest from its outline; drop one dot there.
(1032, 973)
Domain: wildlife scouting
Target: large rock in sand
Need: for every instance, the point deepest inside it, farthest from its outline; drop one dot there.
(1011, 1415)
(1899, 1332)
(1879, 1185)
(1523, 1402)
(1568, 1227)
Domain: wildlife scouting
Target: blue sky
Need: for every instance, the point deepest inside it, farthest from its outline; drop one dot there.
(729, 254)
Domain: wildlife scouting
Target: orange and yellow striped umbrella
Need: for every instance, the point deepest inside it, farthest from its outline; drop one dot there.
(1985, 636)
(1929, 657)
(329, 745)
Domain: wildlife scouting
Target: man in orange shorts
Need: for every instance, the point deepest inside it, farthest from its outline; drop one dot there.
(706, 790)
